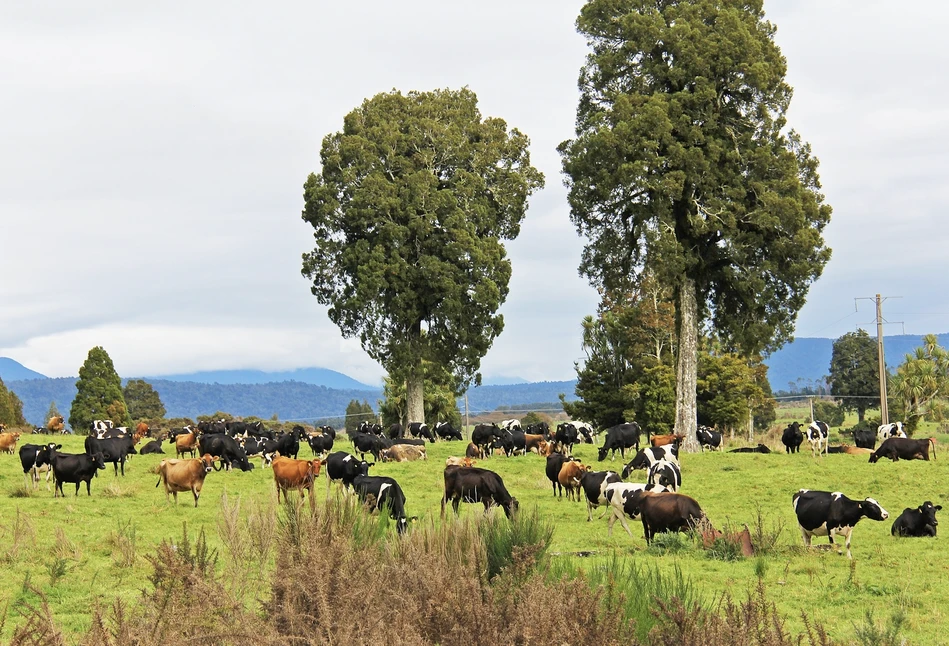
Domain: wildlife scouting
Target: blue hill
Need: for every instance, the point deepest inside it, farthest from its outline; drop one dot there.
(314, 376)
(11, 370)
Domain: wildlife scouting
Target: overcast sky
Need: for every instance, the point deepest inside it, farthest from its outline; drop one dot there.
(153, 157)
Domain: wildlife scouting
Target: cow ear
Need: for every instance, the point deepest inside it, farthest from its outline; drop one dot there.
(938, 507)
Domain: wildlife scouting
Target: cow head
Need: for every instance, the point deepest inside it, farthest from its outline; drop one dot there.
(315, 466)
(98, 460)
(208, 462)
(872, 510)
(511, 507)
(928, 511)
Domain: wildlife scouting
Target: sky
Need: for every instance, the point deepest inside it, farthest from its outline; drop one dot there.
(154, 154)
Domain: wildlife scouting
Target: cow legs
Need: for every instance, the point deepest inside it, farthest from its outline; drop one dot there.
(807, 537)
(196, 495)
(617, 514)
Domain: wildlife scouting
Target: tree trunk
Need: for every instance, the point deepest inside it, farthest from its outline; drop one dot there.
(415, 394)
(687, 365)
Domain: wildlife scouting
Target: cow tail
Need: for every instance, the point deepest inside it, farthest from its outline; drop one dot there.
(159, 480)
(932, 440)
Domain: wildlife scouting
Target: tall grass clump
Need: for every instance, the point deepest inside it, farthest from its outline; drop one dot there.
(869, 633)
(523, 539)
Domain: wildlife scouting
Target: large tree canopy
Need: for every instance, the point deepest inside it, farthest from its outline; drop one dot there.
(409, 211)
(855, 373)
(143, 400)
(681, 162)
(98, 393)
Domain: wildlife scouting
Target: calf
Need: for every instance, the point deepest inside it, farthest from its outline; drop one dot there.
(917, 522)
(619, 438)
(666, 474)
(709, 439)
(665, 512)
(792, 438)
(534, 442)
(289, 473)
(473, 484)
(816, 435)
(594, 485)
(459, 462)
(73, 468)
(650, 456)
(184, 475)
(569, 478)
(821, 513)
(381, 492)
(620, 496)
(849, 450)
(897, 448)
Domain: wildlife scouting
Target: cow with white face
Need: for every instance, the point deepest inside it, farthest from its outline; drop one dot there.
(893, 429)
(821, 513)
(816, 435)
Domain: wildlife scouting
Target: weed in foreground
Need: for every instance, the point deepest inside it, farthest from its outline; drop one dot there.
(869, 633)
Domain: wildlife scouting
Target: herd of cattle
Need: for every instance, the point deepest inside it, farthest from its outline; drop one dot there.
(657, 503)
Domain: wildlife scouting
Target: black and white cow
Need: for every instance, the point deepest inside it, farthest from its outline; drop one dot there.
(225, 448)
(586, 431)
(511, 425)
(383, 493)
(100, 426)
(446, 431)
(792, 438)
(917, 522)
(594, 485)
(666, 474)
(893, 429)
(344, 467)
(420, 429)
(34, 459)
(822, 513)
(817, 433)
(320, 444)
(483, 435)
(566, 437)
(650, 456)
(709, 439)
(619, 438)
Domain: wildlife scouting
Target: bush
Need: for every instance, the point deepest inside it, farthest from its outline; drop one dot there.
(829, 412)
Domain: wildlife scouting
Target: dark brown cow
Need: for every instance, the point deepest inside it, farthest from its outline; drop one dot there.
(533, 442)
(569, 478)
(295, 474)
(666, 512)
(184, 475)
(904, 448)
(662, 440)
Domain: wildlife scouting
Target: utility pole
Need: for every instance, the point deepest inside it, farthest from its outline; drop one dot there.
(884, 412)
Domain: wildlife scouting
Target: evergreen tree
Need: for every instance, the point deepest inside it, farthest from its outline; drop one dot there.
(357, 413)
(682, 164)
(409, 211)
(143, 400)
(52, 412)
(855, 373)
(11, 408)
(98, 393)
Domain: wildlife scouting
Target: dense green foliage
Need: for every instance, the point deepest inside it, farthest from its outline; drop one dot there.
(98, 393)
(143, 400)
(413, 200)
(358, 412)
(681, 164)
(731, 388)
(830, 413)
(440, 400)
(921, 384)
(855, 373)
(11, 408)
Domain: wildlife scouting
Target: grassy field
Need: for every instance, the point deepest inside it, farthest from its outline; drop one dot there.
(83, 550)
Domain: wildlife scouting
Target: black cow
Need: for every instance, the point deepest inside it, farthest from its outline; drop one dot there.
(903, 448)
(385, 494)
(864, 438)
(792, 438)
(483, 435)
(226, 449)
(917, 522)
(326, 429)
(594, 486)
(761, 448)
(68, 467)
(32, 458)
(369, 443)
(407, 440)
(709, 439)
(419, 429)
(344, 467)
(554, 462)
(566, 436)
(822, 513)
(114, 450)
(320, 444)
(650, 456)
(151, 447)
(619, 438)
(288, 445)
(396, 431)
(446, 431)
(473, 484)
(540, 428)
(505, 442)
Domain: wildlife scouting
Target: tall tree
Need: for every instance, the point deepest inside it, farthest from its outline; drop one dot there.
(855, 373)
(731, 390)
(98, 393)
(409, 211)
(11, 408)
(921, 384)
(143, 400)
(357, 413)
(681, 163)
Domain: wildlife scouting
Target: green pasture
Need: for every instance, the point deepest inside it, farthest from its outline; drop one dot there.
(83, 550)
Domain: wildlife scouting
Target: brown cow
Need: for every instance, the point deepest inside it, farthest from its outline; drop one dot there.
(184, 475)
(295, 474)
(662, 440)
(849, 450)
(666, 512)
(569, 478)
(460, 462)
(402, 453)
(474, 451)
(56, 424)
(8, 442)
(186, 443)
(533, 442)
(141, 431)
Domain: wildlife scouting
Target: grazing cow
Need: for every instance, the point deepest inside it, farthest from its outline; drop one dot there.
(459, 462)
(650, 456)
(226, 449)
(184, 475)
(792, 438)
(152, 447)
(473, 484)
(185, 442)
(554, 462)
(709, 439)
(666, 474)
(904, 448)
(473, 451)
(865, 438)
(56, 424)
(569, 478)
(586, 431)
(344, 467)
(594, 485)
(483, 435)
(817, 433)
(320, 444)
(8, 442)
(893, 429)
(664, 512)
(289, 473)
(822, 513)
(403, 453)
(68, 467)
(34, 459)
(420, 429)
(917, 522)
(566, 437)
(619, 438)
(114, 450)
(381, 492)
(446, 431)
(761, 448)
(620, 497)
(672, 438)
(503, 443)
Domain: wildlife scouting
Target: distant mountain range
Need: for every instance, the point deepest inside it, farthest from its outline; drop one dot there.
(314, 393)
